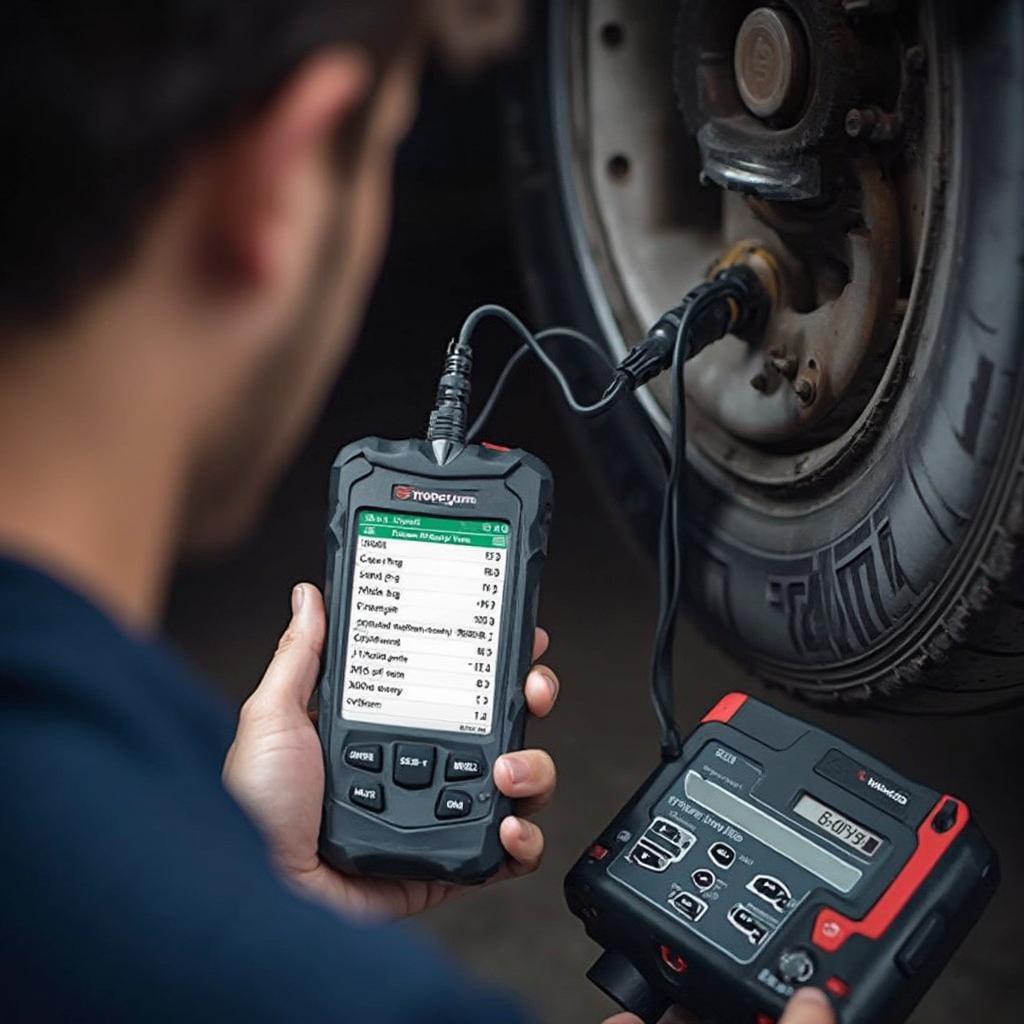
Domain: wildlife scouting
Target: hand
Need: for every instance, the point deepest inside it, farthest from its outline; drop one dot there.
(808, 1006)
(275, 770)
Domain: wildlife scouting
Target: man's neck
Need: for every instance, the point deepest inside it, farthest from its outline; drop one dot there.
(90, 474)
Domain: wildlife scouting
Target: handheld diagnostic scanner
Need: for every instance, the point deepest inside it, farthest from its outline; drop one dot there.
(772, 855)
(433, 572)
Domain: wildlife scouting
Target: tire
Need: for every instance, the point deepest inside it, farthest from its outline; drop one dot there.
(902, 583)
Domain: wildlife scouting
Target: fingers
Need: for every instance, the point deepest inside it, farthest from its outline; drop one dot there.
(808, 1006)
(541, 690)
(540, 642)
(527, 776)
(523, 842)
(292, 673)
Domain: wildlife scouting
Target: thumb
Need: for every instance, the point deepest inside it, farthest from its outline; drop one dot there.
(808, 1006)
(292, 673)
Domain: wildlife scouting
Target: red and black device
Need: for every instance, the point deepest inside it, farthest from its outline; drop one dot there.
(771, 855)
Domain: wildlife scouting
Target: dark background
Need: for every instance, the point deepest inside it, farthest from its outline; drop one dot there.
(452, 250)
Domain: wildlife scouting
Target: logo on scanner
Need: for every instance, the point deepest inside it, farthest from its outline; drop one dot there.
(880, 787)
(450, 499)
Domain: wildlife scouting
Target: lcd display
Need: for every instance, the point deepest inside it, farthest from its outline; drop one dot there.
(424, 621)
(837, 825)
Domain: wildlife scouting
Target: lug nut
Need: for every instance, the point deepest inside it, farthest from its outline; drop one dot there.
(860, 122)
(785, 364)
(870, 123)
(759, 382)
(805, 390)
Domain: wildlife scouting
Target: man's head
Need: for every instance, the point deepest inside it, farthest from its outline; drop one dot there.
(195, 201)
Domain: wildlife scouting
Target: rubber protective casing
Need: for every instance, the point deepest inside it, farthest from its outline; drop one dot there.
(875, 951)
(405, 841)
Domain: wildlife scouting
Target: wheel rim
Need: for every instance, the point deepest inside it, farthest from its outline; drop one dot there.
(644, 230)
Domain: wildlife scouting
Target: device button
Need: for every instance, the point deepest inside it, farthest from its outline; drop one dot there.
(838, 987)
(703, 879)
(945, 819)
(364, 755)
(922, 944)
(453, 803)
(744, 921)
(771, 890)
(645, 856)
(722, 854)
(673, 961)
(666, 835)
(689, 906)
(367, 794)
(464, 766)
(414, 765)
(796, 966)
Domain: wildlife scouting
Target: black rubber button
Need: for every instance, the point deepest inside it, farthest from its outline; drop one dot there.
(414, 765)
(796, 966)
(703, 879)
(946, 818)
(464, 765)
(722, 854)
(367, 794)
(453, 803)
(364, 755)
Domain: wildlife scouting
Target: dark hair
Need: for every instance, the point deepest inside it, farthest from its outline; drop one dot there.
(100, 103)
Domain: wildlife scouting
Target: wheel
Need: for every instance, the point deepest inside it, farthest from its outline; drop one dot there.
(856, 490)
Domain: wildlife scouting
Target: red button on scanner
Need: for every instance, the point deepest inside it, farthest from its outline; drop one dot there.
(838, 987)
(673, 961)
(598, 852)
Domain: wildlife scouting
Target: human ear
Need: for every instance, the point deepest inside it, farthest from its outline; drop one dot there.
(260, 177)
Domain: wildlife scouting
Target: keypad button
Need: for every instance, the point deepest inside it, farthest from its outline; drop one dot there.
(414, 765)
(464, 765)
(703, 879)
(453, 803)
(722, 854)
(364, 755)
(367, 794)
(648, 857)
(692, 908)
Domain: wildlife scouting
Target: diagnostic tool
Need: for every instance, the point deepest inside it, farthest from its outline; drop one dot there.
(432, 583)
(770, 855)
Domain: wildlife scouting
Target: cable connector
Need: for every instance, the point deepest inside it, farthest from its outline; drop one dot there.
(733, 301)
(451, 408)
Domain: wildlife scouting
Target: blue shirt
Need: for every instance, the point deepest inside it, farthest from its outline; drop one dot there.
(132, 887)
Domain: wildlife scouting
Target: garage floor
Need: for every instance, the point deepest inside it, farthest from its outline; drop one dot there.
(451, 251)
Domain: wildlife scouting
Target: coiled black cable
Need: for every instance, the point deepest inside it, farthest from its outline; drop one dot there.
(733, 300)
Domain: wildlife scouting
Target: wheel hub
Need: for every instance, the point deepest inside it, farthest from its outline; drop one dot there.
(810, 118)
(770, 63)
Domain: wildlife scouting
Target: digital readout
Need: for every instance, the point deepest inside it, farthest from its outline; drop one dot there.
(422, 643)
(837, 825)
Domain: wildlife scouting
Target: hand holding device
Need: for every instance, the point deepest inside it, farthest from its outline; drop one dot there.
(275, 770)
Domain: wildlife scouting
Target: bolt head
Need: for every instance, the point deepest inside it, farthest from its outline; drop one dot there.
(805, 390)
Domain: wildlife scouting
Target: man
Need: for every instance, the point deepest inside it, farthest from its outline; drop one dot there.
(195, 199)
